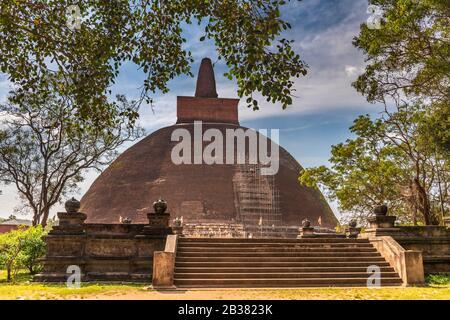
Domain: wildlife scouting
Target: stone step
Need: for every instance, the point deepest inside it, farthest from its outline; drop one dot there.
(271, 240)
(285, 282)
(276, 275)
(269, 254)
(232, 264)
(310, 262)
(237, 259)
(279, 269)
(273, 243)
(183, 250)
(250, 246)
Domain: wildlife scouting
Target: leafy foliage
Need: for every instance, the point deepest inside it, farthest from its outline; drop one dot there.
(41, 53)
(388, 162)
(401, 159)
(21, 248)
(34, 247)
(436, 129)
(364, 173)
(438, 279)
(409, 54)
(44, 152)
(10, 247)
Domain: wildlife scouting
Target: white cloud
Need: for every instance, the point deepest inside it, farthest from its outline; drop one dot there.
(351, 71)
(328, 50)
(5, 86)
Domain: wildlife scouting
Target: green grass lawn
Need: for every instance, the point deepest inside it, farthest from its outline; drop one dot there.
(22, 288)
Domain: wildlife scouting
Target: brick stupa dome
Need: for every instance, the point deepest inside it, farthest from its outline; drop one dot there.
(200, 192)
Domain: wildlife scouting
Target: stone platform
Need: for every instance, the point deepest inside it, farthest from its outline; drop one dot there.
(103, 252)
(432, 241)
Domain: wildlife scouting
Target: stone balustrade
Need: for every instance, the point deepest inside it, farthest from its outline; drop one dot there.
(103, 252)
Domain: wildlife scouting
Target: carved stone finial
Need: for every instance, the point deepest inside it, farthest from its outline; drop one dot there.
(353, 231)
(306, 223)
(160, 206)
(177, 222)
(380, 210)
(72, 205)
(126, 220)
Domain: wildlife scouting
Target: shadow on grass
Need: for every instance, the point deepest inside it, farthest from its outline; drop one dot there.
(22, 276)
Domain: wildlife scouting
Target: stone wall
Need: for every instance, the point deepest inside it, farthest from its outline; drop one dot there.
(237, 230)
(103, 252)
(407, 263)
(433, 241)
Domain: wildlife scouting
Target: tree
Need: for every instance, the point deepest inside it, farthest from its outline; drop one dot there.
(33, 248)
(11, 245)
(365, 172)
(47, 46)
(408, 62)
(407, 129)
(389, 162)
(407, 56)
(44, 153)
(437, 128)
(408, 70)
(21, 248)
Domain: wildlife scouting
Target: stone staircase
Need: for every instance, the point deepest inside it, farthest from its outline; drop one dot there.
(324, 262)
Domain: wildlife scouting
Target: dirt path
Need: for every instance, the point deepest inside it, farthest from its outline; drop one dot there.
(275, 294)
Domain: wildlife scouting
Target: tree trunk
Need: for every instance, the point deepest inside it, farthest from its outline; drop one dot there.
(8, 271)
(35, 217)
(423, 202)
(45, 213)
(441, 198)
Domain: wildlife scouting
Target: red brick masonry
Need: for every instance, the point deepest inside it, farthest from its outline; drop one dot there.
(216, 110)
(4, 228)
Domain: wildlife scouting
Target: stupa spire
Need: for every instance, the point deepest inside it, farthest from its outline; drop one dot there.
(206, 82)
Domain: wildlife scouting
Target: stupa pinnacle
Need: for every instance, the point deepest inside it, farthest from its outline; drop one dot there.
(206, 82)
(205, 105)
(202, 193)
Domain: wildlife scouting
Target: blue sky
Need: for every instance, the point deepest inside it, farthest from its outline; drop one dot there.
(321, 115)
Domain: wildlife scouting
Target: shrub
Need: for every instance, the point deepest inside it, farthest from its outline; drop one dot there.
(33, 248)
(438, 279)
(21, 248)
